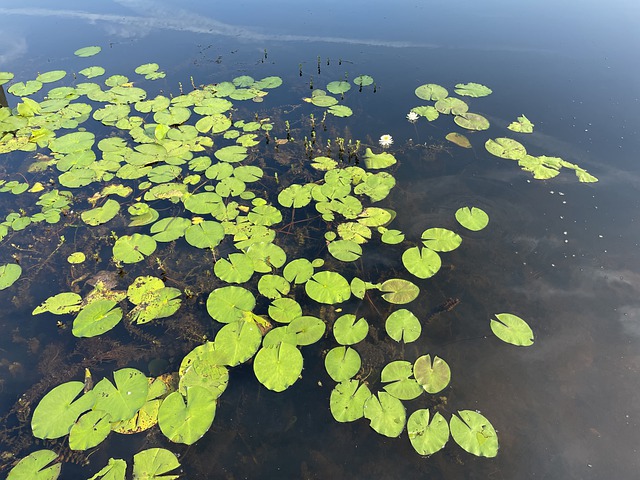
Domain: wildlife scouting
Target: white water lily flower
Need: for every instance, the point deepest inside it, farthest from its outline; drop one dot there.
(412, 117)
(385, 140)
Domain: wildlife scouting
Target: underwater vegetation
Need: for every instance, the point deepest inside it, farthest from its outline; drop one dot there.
(195, 202)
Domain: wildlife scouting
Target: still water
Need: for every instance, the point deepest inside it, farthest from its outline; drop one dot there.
(561, 254)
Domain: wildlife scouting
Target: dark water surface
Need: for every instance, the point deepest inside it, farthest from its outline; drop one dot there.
(561, 254)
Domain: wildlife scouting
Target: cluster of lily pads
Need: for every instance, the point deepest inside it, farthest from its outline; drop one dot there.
(189, 173)
(543, 167)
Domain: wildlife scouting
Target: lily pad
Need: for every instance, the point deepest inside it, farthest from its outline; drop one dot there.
(474, 433)
(523, 125)
(349, 331)
(59, 409)
(32, 467)
(452, 105)
(237, 268)
(348, 399)
(90, 430)
(154, 464)
(284, 310)
(458, 139)
(338, 87)
(473, 218)
(363, 80)
(433, 376)
(427, 434)
(421, 261)
(187, 422)
(471, 121)
(431, 91)
(472, 89)
(87, 51)
(60, 304)
(114, 470)
(328, 287)
(228, 304)
(278, 367)
(403, 325)
(399, 291)
(9, 273)
(512, 329)
(441, 239)
(386, 414)
(133, 248)
(506, 148)
(379, 160)
(102, 214)
(96, 318)
(342, 363)
(123, 399)
(237, 342)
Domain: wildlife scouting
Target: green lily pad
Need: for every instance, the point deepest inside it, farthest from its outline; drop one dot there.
(348, 399)
(379, 160)
(97, 318)
(342, 363)
(298, 271)
(427, 111)
(452, 105)
(133, 248)
(278, 367)
(203, 366)
(90, 430)
(403, 325)
(472, 89)
(169, 229)
(473, 218)
(340, 111)
(308, 329)
(523, 125)
(386, 414)
(154, 464)
(87, 51)
(421, 261)
(273, 286)
(228, 304)
(100, 215)
(363, 80)
(396, 375)
(205, 234)
(392, 237)
(284, 310)
(349, 331)
(328, 287)
(24, 89)
(441, 239)
(187, 422)
(506, 148)
(114, 470)
(345, 250)
(123, 399)
(231, 154)
(76, 257)
(433, 376)
(431, 91)
(238, 341)
(512, 329)
(9, 273)
(474, 433)
(59, 409)
(32, 467)
(5, 77)
(471, 121)
(399, 291)
(238, 268)
(60, 304)
(427, 434)
(338, 87)
(92, 72)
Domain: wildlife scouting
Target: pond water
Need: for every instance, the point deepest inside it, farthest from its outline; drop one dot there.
(561, 254)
